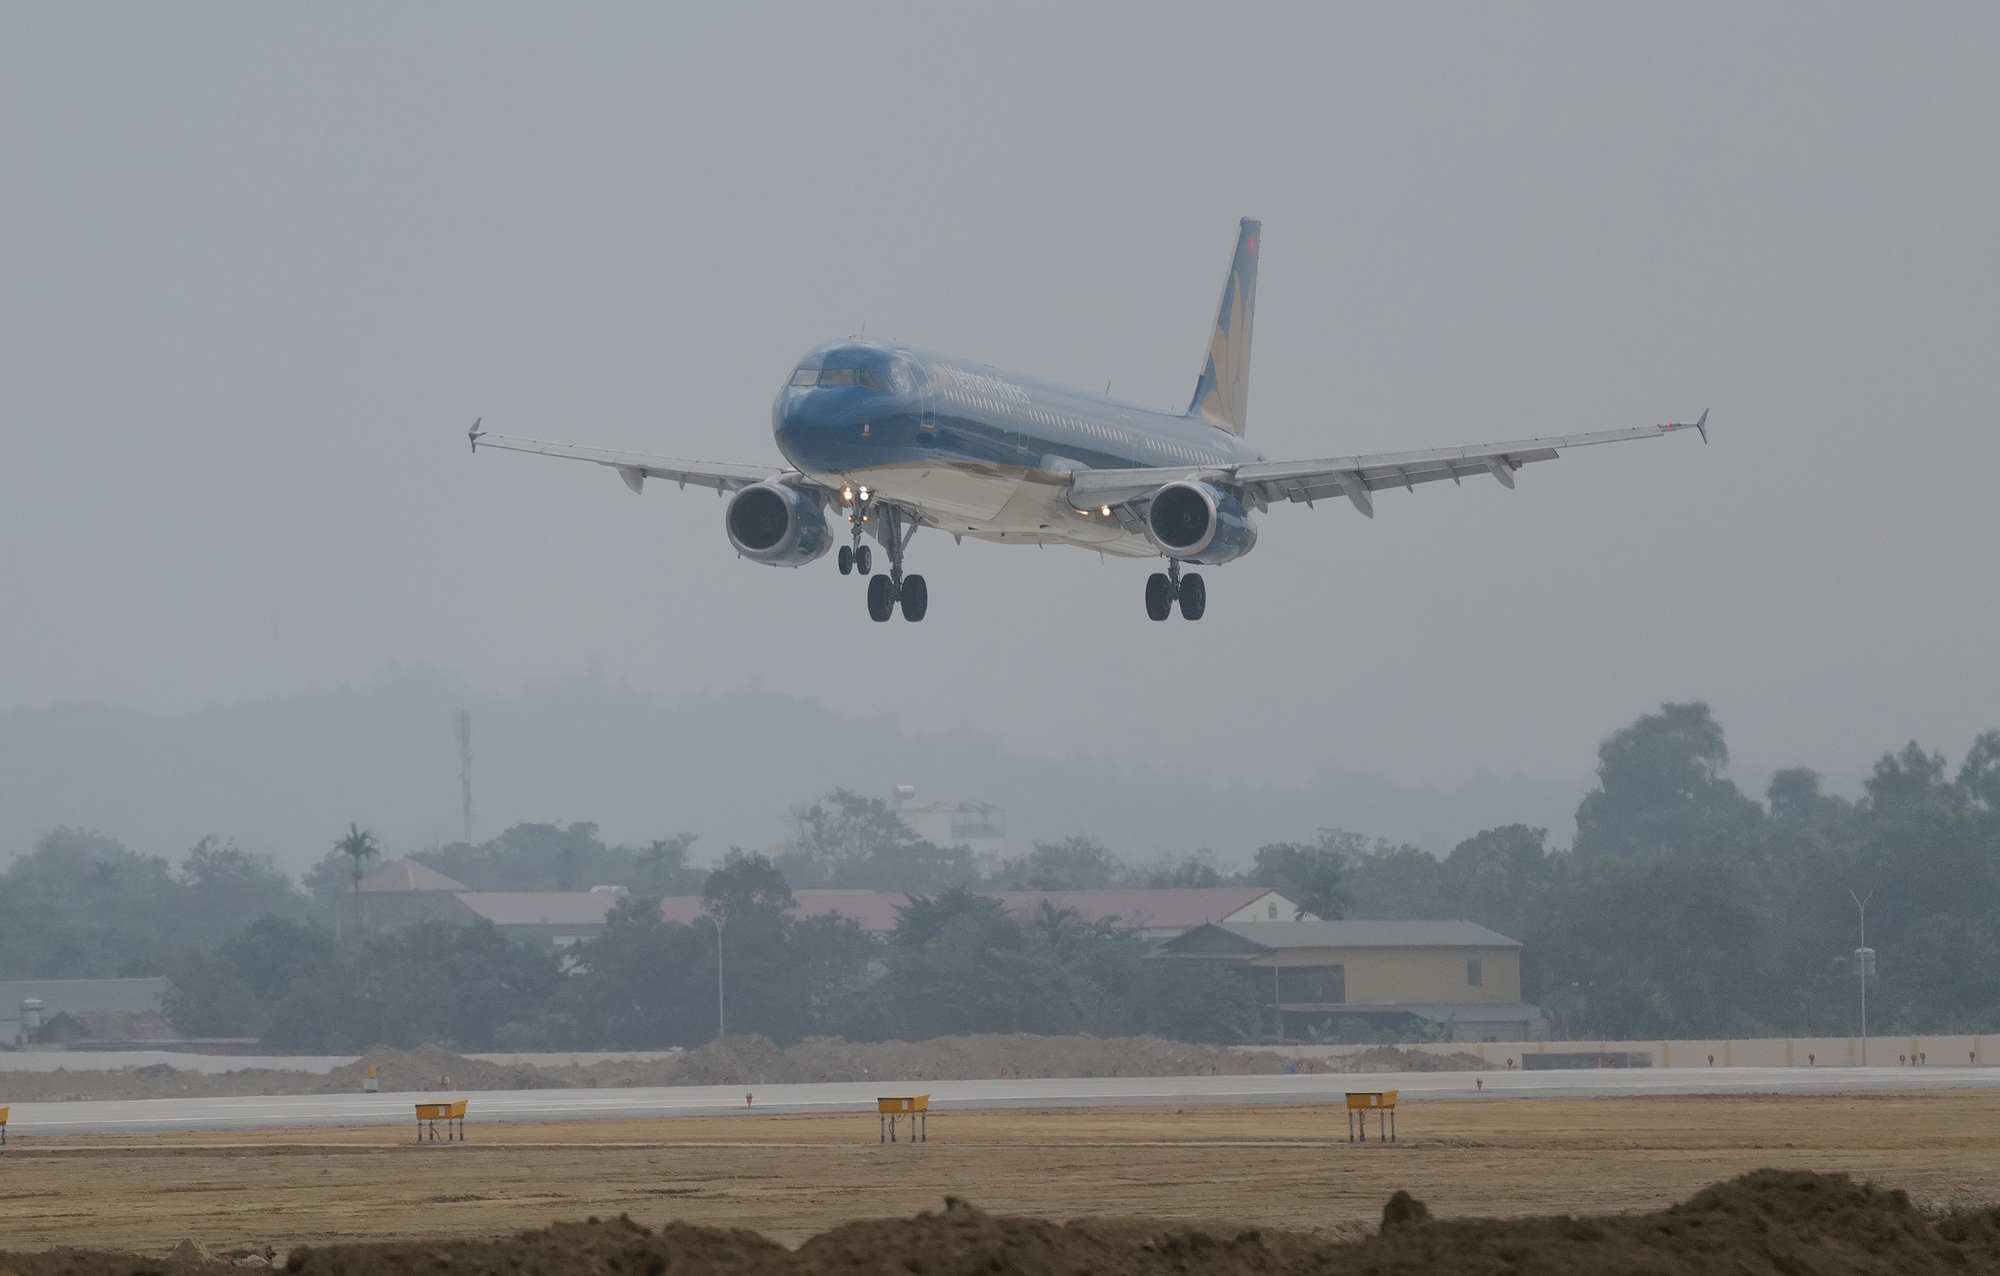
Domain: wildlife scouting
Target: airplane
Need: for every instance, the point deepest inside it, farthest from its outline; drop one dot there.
(894, 438)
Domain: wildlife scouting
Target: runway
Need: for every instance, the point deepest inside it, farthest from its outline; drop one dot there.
(498, 1106)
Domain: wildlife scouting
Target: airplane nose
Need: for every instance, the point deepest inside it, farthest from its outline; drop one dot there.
(806, 431)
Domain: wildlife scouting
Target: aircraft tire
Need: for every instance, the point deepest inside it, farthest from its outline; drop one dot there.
(916, 598)
(881, 602)
(864, 559)
(1194, 596)
(1159, 596)
(847, 560)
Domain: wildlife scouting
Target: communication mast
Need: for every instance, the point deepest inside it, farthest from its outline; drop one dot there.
(464, 722)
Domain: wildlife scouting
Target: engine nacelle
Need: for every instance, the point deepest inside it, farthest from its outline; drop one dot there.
(1200, 523)
(776, 524)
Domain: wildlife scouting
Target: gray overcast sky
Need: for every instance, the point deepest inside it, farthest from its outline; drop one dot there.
(261, 265)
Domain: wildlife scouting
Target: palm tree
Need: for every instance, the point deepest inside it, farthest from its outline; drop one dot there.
(360, 846)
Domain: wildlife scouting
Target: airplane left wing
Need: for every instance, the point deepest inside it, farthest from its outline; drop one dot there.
(1355, 477)
(636, 467)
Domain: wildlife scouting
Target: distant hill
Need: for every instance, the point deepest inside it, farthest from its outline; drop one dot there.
(285, 776)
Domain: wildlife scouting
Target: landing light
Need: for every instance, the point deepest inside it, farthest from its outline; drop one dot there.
(864, 493)
(847, 494)
(1107, 511)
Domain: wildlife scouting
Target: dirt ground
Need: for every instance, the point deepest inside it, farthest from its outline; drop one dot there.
(751, 1059)
(790, 1177)
(1768, 1223)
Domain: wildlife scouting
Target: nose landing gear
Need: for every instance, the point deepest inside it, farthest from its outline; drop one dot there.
(1164, 589)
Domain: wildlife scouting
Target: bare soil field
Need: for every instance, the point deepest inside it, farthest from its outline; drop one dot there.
(1775, 1222)
(1222, 1170)
(752, 1060)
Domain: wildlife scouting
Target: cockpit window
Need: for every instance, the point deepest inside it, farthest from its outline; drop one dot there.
(806, 376)
(873, 379)
(836, 376)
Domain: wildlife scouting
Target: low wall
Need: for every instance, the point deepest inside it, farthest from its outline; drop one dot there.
(1759, 1052)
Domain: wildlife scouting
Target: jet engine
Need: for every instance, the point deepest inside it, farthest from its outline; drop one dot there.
(777, 524)
(1199, 523)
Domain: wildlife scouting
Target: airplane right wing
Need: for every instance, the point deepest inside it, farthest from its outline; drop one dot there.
(1355, 477)
(636, 467)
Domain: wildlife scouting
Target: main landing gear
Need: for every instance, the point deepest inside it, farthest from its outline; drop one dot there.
(1164, 589)
(886, 593)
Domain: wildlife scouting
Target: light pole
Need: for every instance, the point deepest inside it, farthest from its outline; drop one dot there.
(721, 1019)
(1864, 966)
(1278, 999)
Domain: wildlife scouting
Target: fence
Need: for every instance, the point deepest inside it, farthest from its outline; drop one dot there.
(1766, 1052)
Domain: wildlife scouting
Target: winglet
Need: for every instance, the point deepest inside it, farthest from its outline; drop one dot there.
(474, 433)
(1701, 426)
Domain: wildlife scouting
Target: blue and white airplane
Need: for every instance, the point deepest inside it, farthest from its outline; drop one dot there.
(894, 438)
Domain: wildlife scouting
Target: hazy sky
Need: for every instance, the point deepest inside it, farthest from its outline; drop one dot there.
(261, 266)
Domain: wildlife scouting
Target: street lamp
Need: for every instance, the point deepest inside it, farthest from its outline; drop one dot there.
(1864, 966)
(721, 1019)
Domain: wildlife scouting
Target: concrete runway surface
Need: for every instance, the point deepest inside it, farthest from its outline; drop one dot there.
(491, 1106)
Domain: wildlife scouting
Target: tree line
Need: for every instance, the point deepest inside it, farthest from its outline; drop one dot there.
(955, 963)
(1682, 907)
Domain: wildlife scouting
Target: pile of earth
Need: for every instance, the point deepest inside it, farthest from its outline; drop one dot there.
(977, 1057)
(752, 1059)
(983, 1056)
(434, 1068)
(1769, 1222)
(427, 1069)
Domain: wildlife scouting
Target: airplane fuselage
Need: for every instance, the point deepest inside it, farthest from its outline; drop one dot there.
(977, 450)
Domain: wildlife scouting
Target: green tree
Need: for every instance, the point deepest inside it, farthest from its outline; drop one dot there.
(1979, 779)
(1661, 790)
(1795, 798)
(81, 906)
(226, 889)
(1194, 870)
(554, 857)
(1313, 875)
(646, 984)
(1073, 864)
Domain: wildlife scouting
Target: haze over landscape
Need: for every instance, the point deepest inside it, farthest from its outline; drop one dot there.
(1624, 848)
(263, 267)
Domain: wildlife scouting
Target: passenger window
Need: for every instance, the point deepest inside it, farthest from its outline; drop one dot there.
(836, 376)
(874, 380)
(805, 376)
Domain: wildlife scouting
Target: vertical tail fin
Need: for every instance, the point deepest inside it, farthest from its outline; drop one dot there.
(1222, 396)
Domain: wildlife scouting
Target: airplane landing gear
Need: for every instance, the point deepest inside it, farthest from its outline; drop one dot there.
(1194, 596)
(854, 558)
(885, 592)
(1164, 589)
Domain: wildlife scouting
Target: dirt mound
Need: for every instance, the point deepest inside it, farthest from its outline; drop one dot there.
(1774, 1221)
(752, 1060)
(755, 1059)
(1390, 1059)
(1764, 1224)
(1023, 1054)
(431, 1069)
